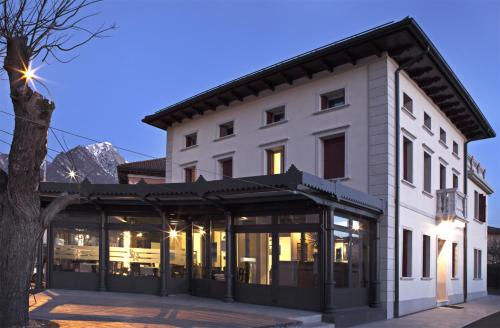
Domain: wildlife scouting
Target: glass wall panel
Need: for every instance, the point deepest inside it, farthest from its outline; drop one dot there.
(341, 221)
(253, 220)
(298, 259)
(177, 244)
(134, 219)
(254, 258)
(76, 250)
(218, 250)
(199, 250)
(341, 258)
(298, 218)
(134, 253)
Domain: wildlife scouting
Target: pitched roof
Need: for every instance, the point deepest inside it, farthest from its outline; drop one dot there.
(402, 40)
(154, 167)
(293, 183)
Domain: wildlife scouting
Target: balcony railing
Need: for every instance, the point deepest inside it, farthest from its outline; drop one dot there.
(451, 204)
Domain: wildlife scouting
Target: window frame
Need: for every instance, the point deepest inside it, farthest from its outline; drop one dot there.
(442, 135)
(477, 263)
(426, 256)
(185, 170)
(406, 253)
(405, 98)
(324, 99)
(189, 137)
(427, 175)
(221, 167)
(429, 126)
(454, 260)
(407, 159)
(455, 151)
(333, 137)
(272, 112)
(442, 176)
(221, 126)
(270, 159)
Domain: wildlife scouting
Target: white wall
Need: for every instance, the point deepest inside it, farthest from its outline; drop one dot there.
(298, 134)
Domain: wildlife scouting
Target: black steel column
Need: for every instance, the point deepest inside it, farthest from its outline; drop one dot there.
(39, 265)
(228, 297)
(102, 252)
(329, 265)
(189, 255)
(374, 265)
(164, 255)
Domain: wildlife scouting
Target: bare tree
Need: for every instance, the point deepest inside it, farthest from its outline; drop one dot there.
(29, 30)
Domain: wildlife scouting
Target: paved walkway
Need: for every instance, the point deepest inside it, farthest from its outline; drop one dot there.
(69, 308)
(445, 317)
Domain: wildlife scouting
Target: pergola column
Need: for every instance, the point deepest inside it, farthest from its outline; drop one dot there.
(228, 296)
(189, 250)
(39, 266)
(102, 252)
(164, 255)
(330, 256)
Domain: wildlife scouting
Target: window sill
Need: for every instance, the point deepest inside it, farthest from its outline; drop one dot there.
(331, 109)
(477, 279)
(455, 278)
(408, 183)
(407, 278)
(273, 124)
(456, 156)
(225, 137)
(188, 148)
(428, 194)
(479, 221)
(443, 143)
(428, 130)
(426, 278)
(408, 112)
(339, 179)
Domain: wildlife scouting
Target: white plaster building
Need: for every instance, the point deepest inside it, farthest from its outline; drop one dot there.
(350, 112)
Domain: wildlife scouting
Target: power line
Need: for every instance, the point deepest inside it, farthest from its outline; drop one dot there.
(135, 152)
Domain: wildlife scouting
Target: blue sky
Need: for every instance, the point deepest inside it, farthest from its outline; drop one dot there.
(164, 51)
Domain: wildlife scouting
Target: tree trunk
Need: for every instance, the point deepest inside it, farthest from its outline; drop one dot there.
(21, 219)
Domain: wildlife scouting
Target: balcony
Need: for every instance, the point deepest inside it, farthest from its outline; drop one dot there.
(451, 204)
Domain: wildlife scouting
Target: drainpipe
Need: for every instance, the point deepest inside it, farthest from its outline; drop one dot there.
(397, 175)
(465, 228)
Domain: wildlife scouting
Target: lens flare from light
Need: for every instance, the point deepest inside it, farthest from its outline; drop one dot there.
(173, 233)
(72, 175)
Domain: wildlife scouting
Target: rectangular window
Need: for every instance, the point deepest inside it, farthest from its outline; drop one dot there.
(253, 220)
(455, 180)
(275, 115)
(476, 205)
(226, 166)
(226, 129)
(407, 256)
(254, 258)
(218, 250)
(455, 148)
(407, 160)
(427, 121)
(134, 253)
(477, 264)
(454, 260)
(191, 139)
(334, 157)
(407, 102)
(426, 256)
(442, 135)
(427, 172)
(76, 250)
(275, 160)
(199, 249)
(298, 259)
(442, 176)
(482, 208)
(190, 174)
(333, 99)
(177, 244)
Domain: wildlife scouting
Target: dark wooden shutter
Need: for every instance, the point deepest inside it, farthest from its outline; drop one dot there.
(406, 257)
(324, 102)
(270, 161)
(334, 157)
(227, 169)
(482, 207)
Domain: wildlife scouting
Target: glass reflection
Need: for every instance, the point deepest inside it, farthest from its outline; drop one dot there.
(177, 247)
(76, 250)
(254, 258)
(134, 253)
(199, 250)
(341, 258)
(298, 265)
(218, 250)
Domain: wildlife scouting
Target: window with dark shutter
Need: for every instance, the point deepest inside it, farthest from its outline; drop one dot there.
(407, 102)
(455, 180)
(275, 115)
(476, 205)
(407, 160)
(191, 140)
(334, 157)
(426, 256)
(227, 168)
(442, 176)
(427, 121)
(189, 174)
(454, 260)
(407, 259)
(482, 208)
(427, 172)
(332, 99)
(226, 129)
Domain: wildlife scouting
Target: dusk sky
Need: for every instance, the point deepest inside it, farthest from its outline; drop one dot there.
(165, 51)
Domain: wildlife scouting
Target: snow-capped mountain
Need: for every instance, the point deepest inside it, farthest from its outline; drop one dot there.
(96, 162)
